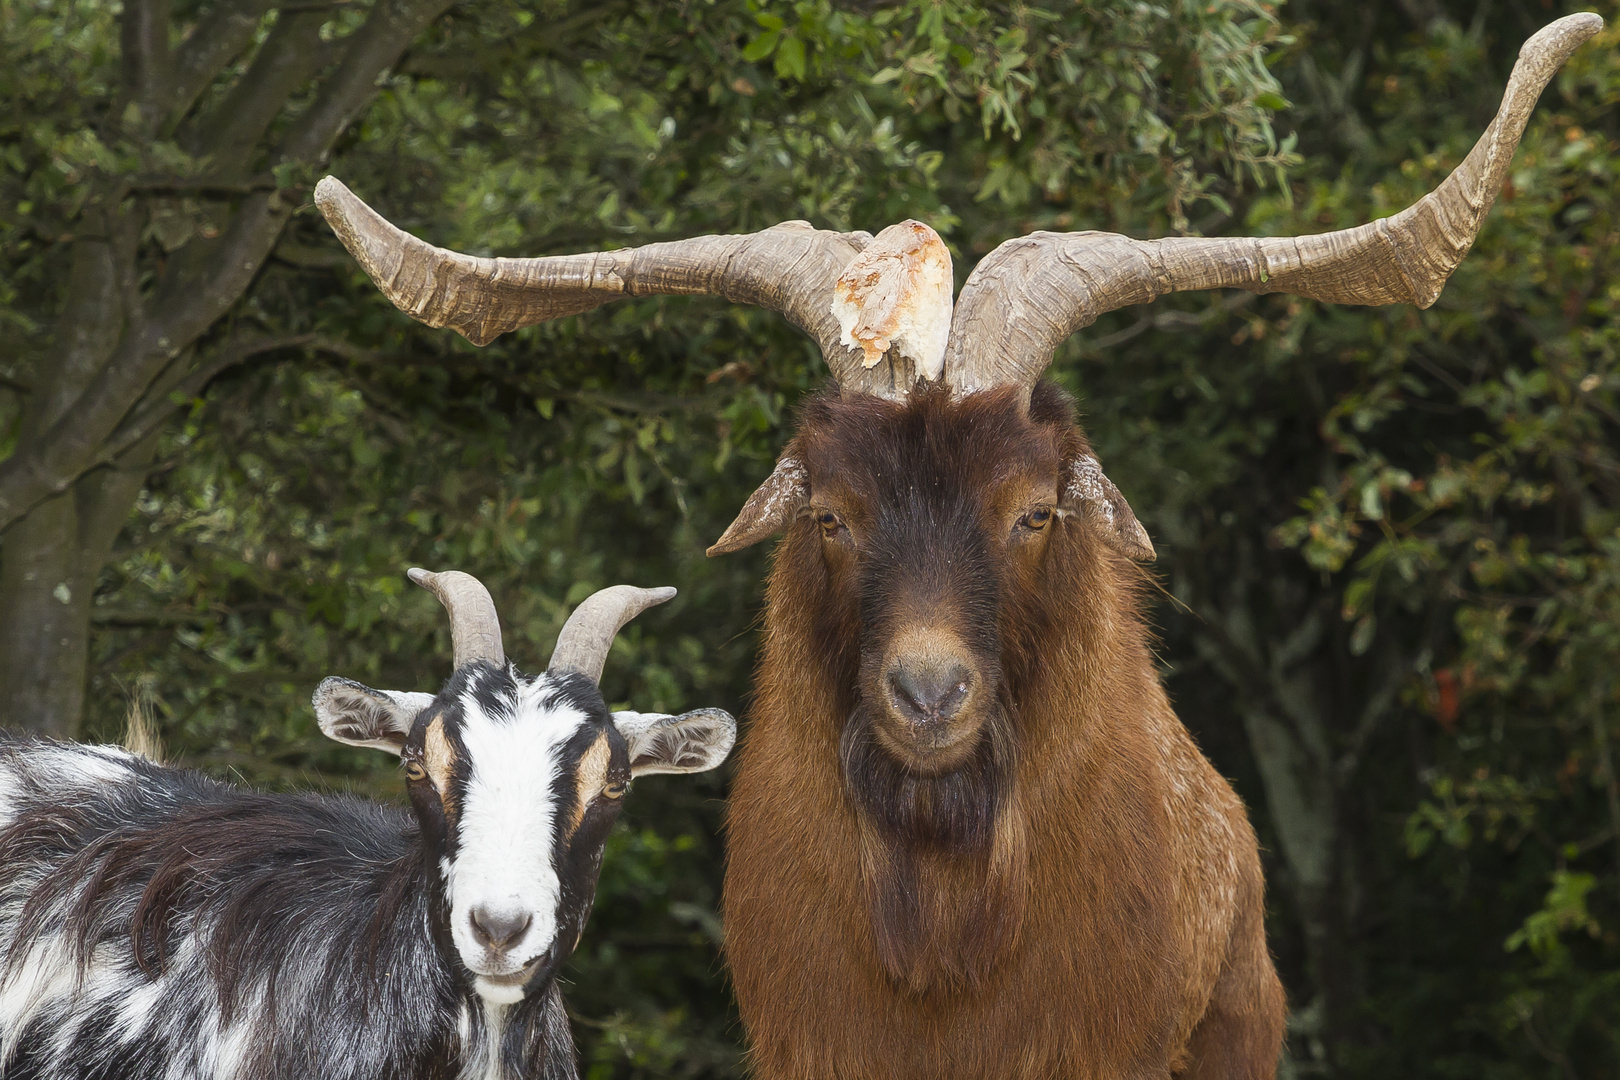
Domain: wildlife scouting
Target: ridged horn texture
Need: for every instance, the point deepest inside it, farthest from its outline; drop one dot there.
(1018, 305)
(770, 509)
(1031, 293)
(589, 632)
(475, 629)
(790, 268)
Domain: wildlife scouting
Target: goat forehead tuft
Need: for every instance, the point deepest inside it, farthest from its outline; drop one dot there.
(492, 696)
(516, 734)
(489, 693)
(929, 447)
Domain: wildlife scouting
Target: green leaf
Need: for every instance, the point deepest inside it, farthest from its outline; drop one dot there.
(762, 46)
(790, 59)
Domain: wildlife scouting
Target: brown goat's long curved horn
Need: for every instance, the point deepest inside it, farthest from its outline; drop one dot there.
(475, 630)
(589, 632)
(1031, 293)
(790, 268)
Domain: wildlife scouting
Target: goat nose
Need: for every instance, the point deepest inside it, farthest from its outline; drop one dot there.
(499, 928)
(929, 692)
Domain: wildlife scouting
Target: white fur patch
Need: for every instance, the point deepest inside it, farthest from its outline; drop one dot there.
(136, 1010)
(485, 1063)
(46, 975)
(9, 792)
(505, 827)
(76, 765)
(97, 982)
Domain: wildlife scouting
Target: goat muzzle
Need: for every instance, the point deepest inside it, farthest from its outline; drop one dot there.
(932, 698)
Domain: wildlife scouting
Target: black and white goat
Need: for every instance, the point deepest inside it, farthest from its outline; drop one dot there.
(158, 924)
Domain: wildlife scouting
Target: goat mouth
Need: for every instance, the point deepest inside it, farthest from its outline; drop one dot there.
(929, 749)
(514, 979)
(517, 978)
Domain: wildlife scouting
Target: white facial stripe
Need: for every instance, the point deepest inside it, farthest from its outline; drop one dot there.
(506, 825)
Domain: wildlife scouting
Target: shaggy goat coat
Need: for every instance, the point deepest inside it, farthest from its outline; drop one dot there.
(160, 924)
(1083, 899)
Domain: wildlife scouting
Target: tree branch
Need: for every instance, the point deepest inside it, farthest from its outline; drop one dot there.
(309, 257)
(289, 56)
(87, 329)
(217, 39)
(157, 618)
(157, 411)
(195, 294)
(1169, 319)
(1372, 714)
(124, 237)
(144, 38)
(70, 446)
(558, 39)
(372, 50)
(211, 184)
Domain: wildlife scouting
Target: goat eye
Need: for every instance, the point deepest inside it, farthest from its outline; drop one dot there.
(614, 790)
(829, 522)
(414, 771)
(1037, 518)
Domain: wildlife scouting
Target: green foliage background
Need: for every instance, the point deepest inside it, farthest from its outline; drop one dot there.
(1397, 530)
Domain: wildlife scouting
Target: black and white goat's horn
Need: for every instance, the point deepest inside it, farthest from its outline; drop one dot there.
(475, 629)
(589, 632)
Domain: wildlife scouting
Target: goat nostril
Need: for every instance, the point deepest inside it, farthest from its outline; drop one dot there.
(927, 692)
(497, 928)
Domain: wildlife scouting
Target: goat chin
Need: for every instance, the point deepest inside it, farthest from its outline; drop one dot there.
(498, 993)
(951, 808)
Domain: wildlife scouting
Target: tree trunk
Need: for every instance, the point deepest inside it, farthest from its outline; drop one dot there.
(44, 623)
(132, 332)
(1305, 741)
(48, 572)
(1302, 804)
(47, 575)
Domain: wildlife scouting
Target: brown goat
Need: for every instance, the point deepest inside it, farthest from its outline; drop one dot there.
(1067, 888)
(968, 836)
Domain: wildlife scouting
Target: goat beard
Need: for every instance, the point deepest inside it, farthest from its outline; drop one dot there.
(944, 857)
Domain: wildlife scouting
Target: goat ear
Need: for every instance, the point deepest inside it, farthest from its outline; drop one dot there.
(360, 716)
(692, 742)
(1087, 491)
(770, 509)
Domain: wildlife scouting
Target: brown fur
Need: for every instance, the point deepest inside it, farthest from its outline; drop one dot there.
(1080, 894)
(439, 759)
